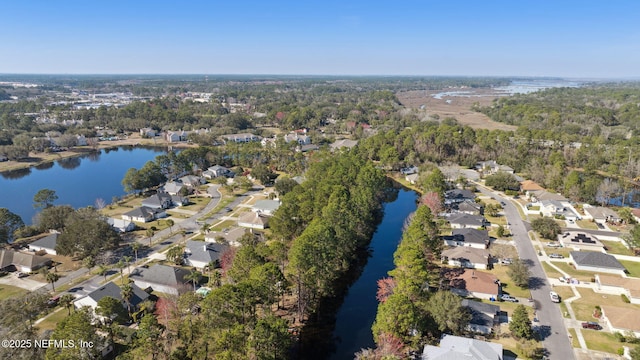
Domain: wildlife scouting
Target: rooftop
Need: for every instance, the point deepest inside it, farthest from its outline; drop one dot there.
(596, 259)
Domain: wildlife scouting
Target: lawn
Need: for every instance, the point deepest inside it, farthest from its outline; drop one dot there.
(196, 203)
(565, 292)
(503, 251)
(583, 276)
(497, 220)
(633, 267)
(500, 272)
(551, 272)
(574, 338)
(224, 201)
(602, 341)
(8, 291)
(52, 319)
(222, 225)
(616, 247)
(584, 306)
(587, 224)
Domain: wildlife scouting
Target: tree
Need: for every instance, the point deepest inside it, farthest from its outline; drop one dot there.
(519, 273)
(112, 309)
(271, 339)
(194, 277)
(126, 291)
(503, 181)
(500, 231)
(135, 246)
(492, 210)
(520, 325)
(148, 337)
(44, 198)
(67, 300)
(103, 271)
(52, 277)
(54, 217)
(435, 182)
(446, 309)
(633, 238)
(67, 141)
(433, 201)
(635, 353)
(76, 326)
(169, 223)
(149, 234)
(385, 288)
(85, 234)
(285, 185)
(127, 260)
(121, 265)
(176, 254)
(607, 189)
(626, 215)
(9, 223)
(546, 227)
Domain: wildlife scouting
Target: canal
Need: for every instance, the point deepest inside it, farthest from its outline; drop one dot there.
(358, 311)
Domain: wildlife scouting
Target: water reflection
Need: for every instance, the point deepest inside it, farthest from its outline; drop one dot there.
(16, 174)
(45, 165)
(94, 156)
(69, 163)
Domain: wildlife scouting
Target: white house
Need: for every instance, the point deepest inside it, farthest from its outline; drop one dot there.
(621, 319)
(147, 132)
(162, 278)
(464, 220)
(143, 214)
(266, 207)
(47, 243)
(474, 238)
(456, 347)
(200, 254)
(112, 290)
(466, 256)
(299, 138)
(23, 262)
(216, 171)
(596, 262)
(253, 220)
(241, 138)
(122, 225)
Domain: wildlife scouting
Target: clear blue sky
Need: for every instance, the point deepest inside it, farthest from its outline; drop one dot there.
(584, 38)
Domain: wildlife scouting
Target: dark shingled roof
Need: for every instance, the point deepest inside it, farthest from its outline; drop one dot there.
(161, 274)
(596, 259)
(114, 291)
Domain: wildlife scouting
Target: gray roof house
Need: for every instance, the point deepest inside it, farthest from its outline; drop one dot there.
(602, 214)
(344, 143)
(21, 261)
(596, 262)
(478, 239)
(192, 180)
(215, 171)
(458, 195)
(162, 278)
(466, 256)
(173, 187)
(461, 348)
(267, 207)
(158, 201)
(114, 291)
(47, 243)
(143, 214)
(483, 316)
(200, 254)
(467, 207)
(463, 220)
(253, 220)
(121, 225)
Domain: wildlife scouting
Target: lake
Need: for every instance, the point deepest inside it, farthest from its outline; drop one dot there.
(358, 311)
(77, 181)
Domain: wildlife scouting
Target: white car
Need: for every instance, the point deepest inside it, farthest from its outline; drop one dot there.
(554, 297)
(554, 245)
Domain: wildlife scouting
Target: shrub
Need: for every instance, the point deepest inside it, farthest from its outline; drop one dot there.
(620, 337)
(625, 298)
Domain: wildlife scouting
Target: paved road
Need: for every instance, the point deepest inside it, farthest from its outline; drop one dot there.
(551, 323)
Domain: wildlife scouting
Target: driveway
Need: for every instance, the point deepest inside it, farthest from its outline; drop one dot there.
(23, 283)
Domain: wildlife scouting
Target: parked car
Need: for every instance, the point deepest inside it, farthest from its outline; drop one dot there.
(554, 245)
(556, 256)
(509, 298)
(507, 261)
(20, 274)
(554, 297)
(591, 325)
(564, 279)
(53, 301)
(227, 209)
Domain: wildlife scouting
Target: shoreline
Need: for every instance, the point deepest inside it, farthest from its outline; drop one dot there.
(39, 159)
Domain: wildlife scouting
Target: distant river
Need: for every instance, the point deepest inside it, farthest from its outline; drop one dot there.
(78, 181)
(358, 311)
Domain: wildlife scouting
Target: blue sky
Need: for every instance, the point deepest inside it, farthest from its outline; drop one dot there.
(585, 38)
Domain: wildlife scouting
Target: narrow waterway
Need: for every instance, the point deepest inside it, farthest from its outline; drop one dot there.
(358, 311)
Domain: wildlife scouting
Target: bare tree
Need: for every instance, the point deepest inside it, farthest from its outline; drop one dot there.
(607, 189)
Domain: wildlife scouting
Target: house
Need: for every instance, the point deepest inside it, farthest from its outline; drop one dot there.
(270, 142)
(601, 214)
(47, 243)
(461, 348)
(121, 225)
(306, 148)
(112, 290)
(483, 316)
(216, 171)
(230, 237)
(616, 285)
(492, 167)
(558, 209)
(458, 195)
(192, 181)
(173, 187)
(3, 158)
(149, 132)
(162, 278)
(467, 207)
(474, 238)
(253, 220)
(200, 254)
(463, 220)
(344, 143)
(412, 179)
(409, 170)
(474, 283)
(22, 262)
(541, 195)
(175, 136)
(467, 257)
(299, 138)
(266, 207)
(621, 319)
(580, 241)
(528, 186)
(158, 201)
(596, 262)
(241, 138)
(81, 140)
(143, 214)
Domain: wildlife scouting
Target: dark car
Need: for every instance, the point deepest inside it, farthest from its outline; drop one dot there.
(53, 301)
(591, 325)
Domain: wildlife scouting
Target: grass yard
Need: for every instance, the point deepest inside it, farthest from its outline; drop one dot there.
(497, 220)
(224, 201)
(565, 292)
(196, 203)
(52, 319)
(222, 225)
(551, 272)
(583, 276)
(584, 306)
(507, 284)
(503, 251)
(602, 341)
(616, 247)
(633, 267)
(574, 338)
(562, 251)
(587, 224)
(8, 291)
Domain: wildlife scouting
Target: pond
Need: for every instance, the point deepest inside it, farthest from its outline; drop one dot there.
(77, 181)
